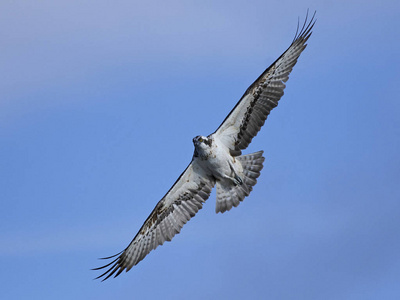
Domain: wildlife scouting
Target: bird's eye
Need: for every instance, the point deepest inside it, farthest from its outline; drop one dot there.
(200, 140)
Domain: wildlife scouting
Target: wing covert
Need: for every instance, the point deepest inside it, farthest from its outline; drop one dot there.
(179, 205)
(249, 115)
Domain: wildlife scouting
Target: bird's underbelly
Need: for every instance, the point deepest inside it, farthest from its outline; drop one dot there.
(217, 161)
(219, 164)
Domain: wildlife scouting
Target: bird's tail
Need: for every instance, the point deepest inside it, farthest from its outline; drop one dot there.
(228, 194)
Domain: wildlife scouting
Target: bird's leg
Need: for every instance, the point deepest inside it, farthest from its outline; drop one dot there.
(237, 180)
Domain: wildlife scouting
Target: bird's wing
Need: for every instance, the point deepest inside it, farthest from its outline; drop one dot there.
(181, 203)
(250, 113)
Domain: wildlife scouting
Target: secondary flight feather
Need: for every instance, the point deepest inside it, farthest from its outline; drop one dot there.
(217, 160)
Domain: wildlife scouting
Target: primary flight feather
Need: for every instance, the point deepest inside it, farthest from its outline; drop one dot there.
(217, 160)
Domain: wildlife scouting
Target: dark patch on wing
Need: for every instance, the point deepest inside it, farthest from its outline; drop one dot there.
(267, 90)
(162, 225)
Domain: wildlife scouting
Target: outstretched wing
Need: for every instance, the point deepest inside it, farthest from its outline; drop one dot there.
(250, 113)
(181, 203)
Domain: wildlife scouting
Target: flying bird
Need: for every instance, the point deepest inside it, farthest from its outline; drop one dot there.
(217, 161)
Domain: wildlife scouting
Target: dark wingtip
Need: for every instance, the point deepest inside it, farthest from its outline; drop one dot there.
(305, 30)
(110, 271)
(112, 255)
(114, 266)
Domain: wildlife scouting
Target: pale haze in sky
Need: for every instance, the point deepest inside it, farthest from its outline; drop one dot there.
(99, 104)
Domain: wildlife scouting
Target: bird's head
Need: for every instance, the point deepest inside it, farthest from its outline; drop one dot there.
(202, 146)
(201, 140)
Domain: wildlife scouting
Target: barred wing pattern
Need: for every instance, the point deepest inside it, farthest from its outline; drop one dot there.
(249, 115)
(194, 186)
(182, 202)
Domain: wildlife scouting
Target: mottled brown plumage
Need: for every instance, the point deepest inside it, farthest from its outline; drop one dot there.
(216, 160)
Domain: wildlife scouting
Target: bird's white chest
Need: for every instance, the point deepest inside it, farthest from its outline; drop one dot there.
(215, 160)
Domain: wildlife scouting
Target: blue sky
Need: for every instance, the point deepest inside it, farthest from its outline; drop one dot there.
(99, 104)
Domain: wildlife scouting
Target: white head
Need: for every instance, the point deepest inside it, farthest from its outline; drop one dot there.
(201, 145)
(199, 140)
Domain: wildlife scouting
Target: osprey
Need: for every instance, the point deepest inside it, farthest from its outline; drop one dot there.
(217, 160)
